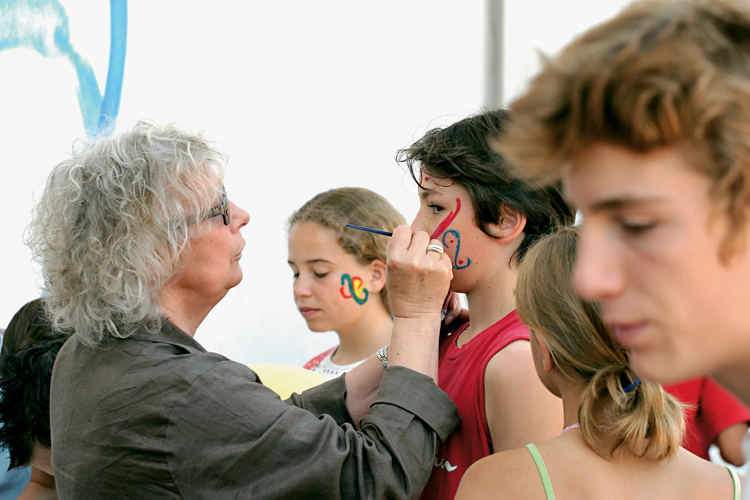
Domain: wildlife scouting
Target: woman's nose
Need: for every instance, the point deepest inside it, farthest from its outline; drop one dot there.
(239, 214)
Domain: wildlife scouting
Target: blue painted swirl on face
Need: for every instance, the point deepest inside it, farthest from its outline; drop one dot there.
(455, 238)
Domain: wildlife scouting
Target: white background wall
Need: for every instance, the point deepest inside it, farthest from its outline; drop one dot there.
(305, 96)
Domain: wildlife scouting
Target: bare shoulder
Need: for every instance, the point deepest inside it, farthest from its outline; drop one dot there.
(511, 361)
(706, 476)
(511, 379)
(511, 472)
(519, 409)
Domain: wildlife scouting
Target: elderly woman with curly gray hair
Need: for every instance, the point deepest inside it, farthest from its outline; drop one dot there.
(137, 242)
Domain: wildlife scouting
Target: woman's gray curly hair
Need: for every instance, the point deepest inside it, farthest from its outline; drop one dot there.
(114, 222)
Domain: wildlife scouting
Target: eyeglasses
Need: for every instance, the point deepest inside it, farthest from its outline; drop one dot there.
(222, 209)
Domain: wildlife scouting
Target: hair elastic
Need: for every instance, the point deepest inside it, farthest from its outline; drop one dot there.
(632, 385)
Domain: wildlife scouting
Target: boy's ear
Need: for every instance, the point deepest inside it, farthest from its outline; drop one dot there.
(377, 271)
(511, 223)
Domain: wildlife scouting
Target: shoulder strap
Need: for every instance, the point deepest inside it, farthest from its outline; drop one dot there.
(736, 481)
(542, 471)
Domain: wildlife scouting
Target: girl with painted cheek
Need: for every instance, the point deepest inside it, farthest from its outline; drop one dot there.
(339, 273)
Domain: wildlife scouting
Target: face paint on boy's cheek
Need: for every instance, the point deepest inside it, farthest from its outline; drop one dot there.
(451, 239)
(354, 288)
(447, 221)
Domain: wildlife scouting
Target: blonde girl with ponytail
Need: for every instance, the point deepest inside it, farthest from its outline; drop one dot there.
(622, 434)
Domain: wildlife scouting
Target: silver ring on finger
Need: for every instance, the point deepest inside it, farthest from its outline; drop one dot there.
(435, 247)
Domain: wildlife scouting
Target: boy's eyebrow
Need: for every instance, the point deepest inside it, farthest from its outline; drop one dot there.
(624, 202)
(424, 192)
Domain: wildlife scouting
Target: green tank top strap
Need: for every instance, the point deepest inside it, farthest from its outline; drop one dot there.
(736, 482)
(543, 471)
(551, 494)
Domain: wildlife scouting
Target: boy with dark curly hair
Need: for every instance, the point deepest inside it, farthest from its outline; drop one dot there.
(486, 219)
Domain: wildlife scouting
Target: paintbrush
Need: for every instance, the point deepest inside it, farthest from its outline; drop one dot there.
(377, 231)
(386, 233)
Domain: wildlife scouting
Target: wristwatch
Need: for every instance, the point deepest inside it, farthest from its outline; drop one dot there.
(382, 355)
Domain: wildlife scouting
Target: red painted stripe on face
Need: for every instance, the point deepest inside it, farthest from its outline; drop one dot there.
(447, 221)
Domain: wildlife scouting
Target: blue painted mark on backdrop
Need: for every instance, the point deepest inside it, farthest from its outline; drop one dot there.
(42, 26)
(453, 237)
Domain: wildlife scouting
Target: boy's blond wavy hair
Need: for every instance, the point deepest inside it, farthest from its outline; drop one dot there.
(668, 73)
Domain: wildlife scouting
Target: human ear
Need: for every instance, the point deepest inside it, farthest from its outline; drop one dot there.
(377, 276)
(511, 223)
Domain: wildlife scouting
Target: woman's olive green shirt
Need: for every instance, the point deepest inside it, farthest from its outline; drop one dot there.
(156, 416)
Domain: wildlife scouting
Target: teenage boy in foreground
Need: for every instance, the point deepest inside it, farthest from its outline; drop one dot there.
(646, 119)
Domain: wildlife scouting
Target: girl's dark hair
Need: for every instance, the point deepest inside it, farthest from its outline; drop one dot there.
(463, 152)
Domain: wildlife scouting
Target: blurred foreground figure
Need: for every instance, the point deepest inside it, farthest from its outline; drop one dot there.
(646, 118)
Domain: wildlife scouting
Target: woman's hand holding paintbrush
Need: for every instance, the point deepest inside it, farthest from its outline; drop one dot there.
(452, 309)
(418, 279)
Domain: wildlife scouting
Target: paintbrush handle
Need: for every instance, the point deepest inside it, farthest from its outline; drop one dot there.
(377, 231)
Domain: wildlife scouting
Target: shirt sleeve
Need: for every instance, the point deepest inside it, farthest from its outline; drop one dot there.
(328, 398)
(720, 409)
(231, 437)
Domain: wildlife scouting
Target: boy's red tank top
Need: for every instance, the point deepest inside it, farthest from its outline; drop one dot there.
(461, 376)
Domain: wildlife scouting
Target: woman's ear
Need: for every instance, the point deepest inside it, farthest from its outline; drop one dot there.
(511, 223)
(377, 273)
